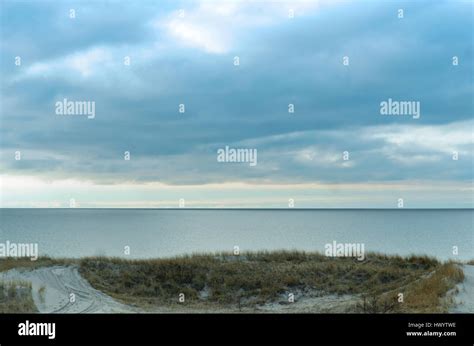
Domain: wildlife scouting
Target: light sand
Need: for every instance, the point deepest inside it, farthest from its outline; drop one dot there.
(331, 303)
(59, 283)
(464, 299)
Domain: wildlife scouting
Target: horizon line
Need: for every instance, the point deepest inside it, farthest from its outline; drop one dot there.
(230, 208)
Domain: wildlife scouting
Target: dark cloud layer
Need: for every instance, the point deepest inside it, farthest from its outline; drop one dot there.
(282, 61)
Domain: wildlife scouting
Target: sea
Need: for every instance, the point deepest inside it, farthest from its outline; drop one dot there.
(152, 233)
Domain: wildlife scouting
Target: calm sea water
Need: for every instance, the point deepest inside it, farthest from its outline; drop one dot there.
(160, 233)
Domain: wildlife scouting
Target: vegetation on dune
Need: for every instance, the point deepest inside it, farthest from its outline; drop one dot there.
(16, 297)
(41, 293)
(427, 294)
(26, 263)
(224, 280)
(250, 279)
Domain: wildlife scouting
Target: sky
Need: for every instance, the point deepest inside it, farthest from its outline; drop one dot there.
(335, 62)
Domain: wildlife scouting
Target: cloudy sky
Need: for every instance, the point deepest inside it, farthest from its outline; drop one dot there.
(184, 53)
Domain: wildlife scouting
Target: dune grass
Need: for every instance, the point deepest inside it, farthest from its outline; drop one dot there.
(16, 297)
(26, 263)
(428, 294)
(224, 280)
(250, 279)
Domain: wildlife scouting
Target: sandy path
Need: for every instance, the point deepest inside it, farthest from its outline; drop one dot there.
(323, 304)
(59, 283)
(464, 300)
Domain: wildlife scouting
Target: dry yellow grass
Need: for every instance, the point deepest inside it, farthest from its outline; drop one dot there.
(428, 294)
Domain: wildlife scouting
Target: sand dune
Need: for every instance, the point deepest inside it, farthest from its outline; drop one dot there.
(59, 283)
(52, 288)
(464, 300)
